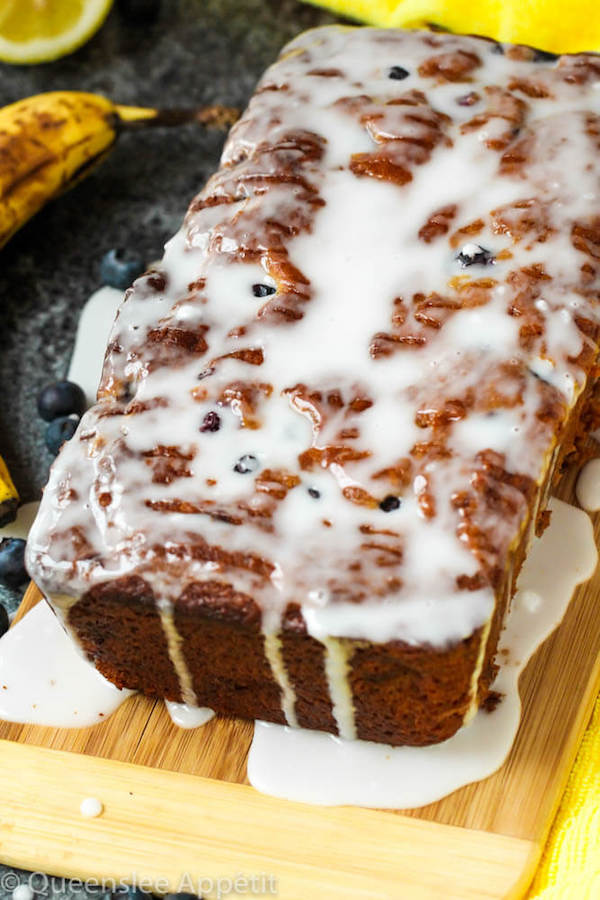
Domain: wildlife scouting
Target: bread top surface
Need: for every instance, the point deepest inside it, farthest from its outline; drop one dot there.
(346, 380)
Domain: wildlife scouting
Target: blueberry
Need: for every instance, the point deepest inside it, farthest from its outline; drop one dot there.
(12, 563)
(398, 73)
(139, 11)
(475, 255)
(211, 422)
(61, 399)
(59, 431)
(314, 493)
(118, 268)
(390, 503)
(263, 290)
(245, 464)
(4, 620)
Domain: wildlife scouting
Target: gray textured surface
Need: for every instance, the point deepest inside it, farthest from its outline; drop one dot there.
(198, 51)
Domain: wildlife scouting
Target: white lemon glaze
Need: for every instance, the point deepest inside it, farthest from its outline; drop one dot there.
(355, 248)
(314, 767)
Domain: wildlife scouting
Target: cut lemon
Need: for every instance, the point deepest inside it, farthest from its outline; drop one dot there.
(548, 24)
(34, 31)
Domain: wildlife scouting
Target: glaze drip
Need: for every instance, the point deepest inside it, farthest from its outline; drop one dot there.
(315, 301)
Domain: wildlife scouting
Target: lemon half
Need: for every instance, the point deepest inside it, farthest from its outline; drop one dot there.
(34, 31)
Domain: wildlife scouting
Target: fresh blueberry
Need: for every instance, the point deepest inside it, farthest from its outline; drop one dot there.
(245, 464)
(12, 563)
(398, 73)
(62, 398)
(475, 255)
(211, 422)
(139, 11)
(390, 503)
(4, 620)
(118, 268)
(263, 290)
(60, 430)
(314, 493)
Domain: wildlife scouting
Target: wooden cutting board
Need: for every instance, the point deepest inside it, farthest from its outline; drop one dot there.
(177, 803)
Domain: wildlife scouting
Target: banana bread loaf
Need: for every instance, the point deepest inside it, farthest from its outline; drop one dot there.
(329, 421)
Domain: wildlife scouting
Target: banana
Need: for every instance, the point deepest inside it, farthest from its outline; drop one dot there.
(48, 142)
(9, 499)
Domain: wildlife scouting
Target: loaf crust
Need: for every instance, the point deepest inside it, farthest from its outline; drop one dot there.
(329, 421)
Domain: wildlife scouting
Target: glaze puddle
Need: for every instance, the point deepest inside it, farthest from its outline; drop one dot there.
(313, 767)
(588, 485)
(186, 716)
(93, 330)
(44, 680)
(20, 527)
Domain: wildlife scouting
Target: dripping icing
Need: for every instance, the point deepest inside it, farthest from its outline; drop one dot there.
(319, 768)
(274, 655)
(340, 694)
(354, 234)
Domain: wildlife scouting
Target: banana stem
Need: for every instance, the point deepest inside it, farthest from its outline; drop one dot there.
(216, 116)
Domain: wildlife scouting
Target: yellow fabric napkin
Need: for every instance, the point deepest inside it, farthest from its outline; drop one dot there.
(570, 866)
(548, 24)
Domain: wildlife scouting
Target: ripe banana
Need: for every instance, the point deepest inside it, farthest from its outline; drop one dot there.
(9, 499)
(50, 141)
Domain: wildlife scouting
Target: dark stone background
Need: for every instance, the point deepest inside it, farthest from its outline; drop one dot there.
(197, 51)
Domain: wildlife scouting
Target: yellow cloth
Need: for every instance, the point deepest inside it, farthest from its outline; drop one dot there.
(570, 866)
(549, 24)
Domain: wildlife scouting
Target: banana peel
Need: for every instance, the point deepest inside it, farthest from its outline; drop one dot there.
(9, 498)
(49, 142)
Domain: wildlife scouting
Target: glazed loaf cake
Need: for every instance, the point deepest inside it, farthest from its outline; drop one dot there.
(329, 421)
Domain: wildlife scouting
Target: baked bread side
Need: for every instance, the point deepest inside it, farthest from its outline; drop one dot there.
(329, 421)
